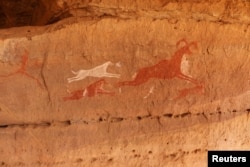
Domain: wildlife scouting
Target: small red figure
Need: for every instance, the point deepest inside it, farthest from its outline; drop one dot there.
(22, 69)
(76, 95)
(90, 91)
(186, 91)
(165, 69)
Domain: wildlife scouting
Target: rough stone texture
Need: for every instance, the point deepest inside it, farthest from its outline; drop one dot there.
(42, 12)
(162, 122)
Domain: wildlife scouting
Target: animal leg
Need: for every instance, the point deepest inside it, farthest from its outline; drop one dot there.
(112, 75)
(187, 78)
(74, 72)
(79, 75)
(102, 91)
(76, 78)
(72, 79)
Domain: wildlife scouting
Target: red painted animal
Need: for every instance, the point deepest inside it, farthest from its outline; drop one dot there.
(195, 90)
(90, 91)
(165, 69)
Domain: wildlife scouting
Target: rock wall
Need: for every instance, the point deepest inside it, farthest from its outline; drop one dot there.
(127, 84)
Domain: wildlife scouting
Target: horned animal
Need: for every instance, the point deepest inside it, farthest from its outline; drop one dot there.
(164, 69)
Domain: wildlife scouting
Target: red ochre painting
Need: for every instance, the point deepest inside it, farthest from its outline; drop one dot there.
(90, 91)
(22, 69)
(164, 69)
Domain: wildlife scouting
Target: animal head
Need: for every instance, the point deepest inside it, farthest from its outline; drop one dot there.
(181, 43)
(188, 47)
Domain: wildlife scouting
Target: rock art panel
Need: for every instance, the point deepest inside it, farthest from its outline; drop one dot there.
(157, 117)
(165, 69)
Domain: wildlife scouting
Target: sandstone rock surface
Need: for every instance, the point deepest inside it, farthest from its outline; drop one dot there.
(126, 83)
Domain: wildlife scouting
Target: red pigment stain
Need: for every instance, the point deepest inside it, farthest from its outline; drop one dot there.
(90, 91)
(22, 69)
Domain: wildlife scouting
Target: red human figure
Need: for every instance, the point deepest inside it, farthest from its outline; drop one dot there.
(22, 69)
(90, 91)
(165, 69)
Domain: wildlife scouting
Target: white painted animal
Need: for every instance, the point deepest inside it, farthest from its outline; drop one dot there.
(98, 71)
